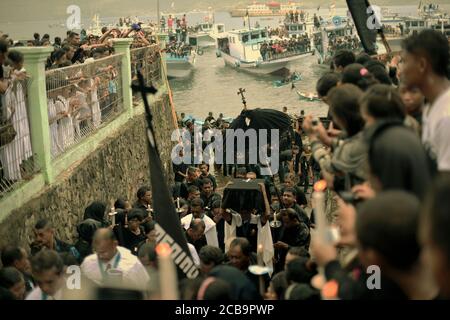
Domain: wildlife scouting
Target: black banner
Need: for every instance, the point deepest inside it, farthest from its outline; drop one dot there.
(168, 226)
(363, 17)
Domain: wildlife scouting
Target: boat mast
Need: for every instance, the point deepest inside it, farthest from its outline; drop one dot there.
(158, 17)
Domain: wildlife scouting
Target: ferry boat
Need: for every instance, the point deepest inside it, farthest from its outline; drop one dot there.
(295, 29)
(269, 9)
(241, 49)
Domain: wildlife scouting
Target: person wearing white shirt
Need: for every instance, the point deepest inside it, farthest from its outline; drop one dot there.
(111, 260)
(47, 268)
(425, 66)
(210, 226)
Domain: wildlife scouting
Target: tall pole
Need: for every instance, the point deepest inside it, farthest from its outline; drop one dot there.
(158, 23)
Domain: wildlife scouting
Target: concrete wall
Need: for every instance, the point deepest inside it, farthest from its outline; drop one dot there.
(117, 168)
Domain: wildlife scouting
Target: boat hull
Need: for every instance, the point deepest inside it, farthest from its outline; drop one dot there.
(266, 67)
(304, 96)
(202, 40)
(179, 68)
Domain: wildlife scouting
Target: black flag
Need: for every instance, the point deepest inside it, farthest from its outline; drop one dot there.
(168, 226)
(360, 15)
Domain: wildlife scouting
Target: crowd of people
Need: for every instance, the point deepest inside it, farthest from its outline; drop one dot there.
(178, 49)
(344, 43)
(80, 97)
(336, 43)
(295, 17)
(274, 48)
(384, 159)
(176, 27)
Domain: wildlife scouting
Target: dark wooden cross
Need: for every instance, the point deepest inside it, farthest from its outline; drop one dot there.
(144, 90)
(241, 93)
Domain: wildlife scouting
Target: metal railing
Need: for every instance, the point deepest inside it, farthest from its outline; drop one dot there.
(287, 54)
(81, 99)
(147, 60)
(16, 154)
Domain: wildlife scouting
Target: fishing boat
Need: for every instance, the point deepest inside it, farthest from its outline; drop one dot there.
(308, 96)
(202, 37)
(181, 64)
(282, 83)
(241, 49)
(217, 31)
(336, 30)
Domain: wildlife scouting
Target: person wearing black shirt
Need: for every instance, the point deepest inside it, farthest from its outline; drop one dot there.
(210, 117)
(240, 256)
(86, 230)
(144, 198)
(191, 180)
(134, 233)
(294, 233)
(180, 171)
(204, 168)
(208, 195)
(289, 201)
(45, 238)
(289, 182)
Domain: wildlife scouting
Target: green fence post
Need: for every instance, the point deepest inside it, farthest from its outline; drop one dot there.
(123, 46)
(34, 63)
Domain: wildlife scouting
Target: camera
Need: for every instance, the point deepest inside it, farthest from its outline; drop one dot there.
(315, 122)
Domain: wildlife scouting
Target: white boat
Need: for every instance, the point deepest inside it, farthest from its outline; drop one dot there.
(180, 67)
(338, 29)
(240, 49)
(295, 29)
(202, 37)
(217, 31)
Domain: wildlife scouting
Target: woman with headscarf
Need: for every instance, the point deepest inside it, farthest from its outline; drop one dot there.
(86, 230)
(96, 211)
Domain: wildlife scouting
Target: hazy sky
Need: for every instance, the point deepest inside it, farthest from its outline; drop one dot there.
(25, 10)
(14, 11)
